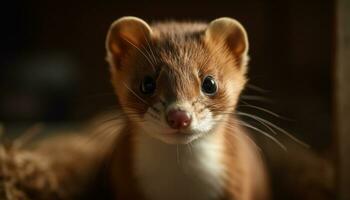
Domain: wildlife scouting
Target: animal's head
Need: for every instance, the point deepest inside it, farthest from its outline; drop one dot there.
(177, 81)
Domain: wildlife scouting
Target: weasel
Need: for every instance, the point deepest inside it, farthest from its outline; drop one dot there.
(178, 84)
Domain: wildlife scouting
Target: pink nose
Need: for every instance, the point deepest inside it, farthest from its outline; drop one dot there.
(178, 119)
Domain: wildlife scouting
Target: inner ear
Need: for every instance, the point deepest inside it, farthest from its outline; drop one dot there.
(231, 33)
(126, 33)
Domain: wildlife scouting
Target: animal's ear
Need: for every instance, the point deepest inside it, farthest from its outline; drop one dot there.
(124, 34)
(232, 34)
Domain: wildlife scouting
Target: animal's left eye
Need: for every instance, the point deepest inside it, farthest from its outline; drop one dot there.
(209, 86)
(148, 85)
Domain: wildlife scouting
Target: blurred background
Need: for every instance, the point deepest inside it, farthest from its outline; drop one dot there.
(53, 68)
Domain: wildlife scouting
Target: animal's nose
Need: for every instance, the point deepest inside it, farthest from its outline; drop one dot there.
(178, 119)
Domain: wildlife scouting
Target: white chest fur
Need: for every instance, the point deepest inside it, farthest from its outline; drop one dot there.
(173, 172)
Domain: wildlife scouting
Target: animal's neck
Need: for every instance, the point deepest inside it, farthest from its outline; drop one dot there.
(193, 171)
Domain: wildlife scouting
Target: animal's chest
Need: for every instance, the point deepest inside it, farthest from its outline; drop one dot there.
(178, 172)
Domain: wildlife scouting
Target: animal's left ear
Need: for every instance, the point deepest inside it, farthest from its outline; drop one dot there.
(125, 34)
(232, 34)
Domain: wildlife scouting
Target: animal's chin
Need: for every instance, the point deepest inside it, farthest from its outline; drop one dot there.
(175, 137)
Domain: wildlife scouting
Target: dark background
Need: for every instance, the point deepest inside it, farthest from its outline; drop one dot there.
(53, 68)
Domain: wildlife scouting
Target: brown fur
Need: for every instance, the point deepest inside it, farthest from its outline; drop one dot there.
(248, 178)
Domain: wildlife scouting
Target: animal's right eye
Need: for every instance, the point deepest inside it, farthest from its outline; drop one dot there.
(148, 85)
(209, 86)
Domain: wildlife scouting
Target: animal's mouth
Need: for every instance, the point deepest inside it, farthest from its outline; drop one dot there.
(178, 132)
(177, 138)
(183, 133)
(180, 136)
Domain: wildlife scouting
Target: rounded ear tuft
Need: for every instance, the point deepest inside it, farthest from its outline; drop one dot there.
(125, 33)
(231, 32)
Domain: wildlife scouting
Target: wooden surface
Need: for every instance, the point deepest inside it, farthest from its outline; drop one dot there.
(342, 89)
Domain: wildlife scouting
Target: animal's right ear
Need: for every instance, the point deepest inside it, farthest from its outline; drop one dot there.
(124, 34)
(232, 34)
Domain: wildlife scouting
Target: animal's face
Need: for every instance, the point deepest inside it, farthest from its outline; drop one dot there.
(177, 82)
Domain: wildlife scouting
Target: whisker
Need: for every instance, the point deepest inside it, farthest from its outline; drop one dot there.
(256, 88)
(134, 93)
(274, 126)
(104, 140)
(141, 53)
(264, 124)
(259, 121)
(248, 137)
(149, 47)
(102, 126)
(264, 110)
(98, 135)
(262, 132)
(149, 55)
(255, 98)
(239, 122)
(102, 133)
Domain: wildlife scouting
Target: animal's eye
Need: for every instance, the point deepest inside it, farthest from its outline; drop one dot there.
(148, 85)
(209, 86)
